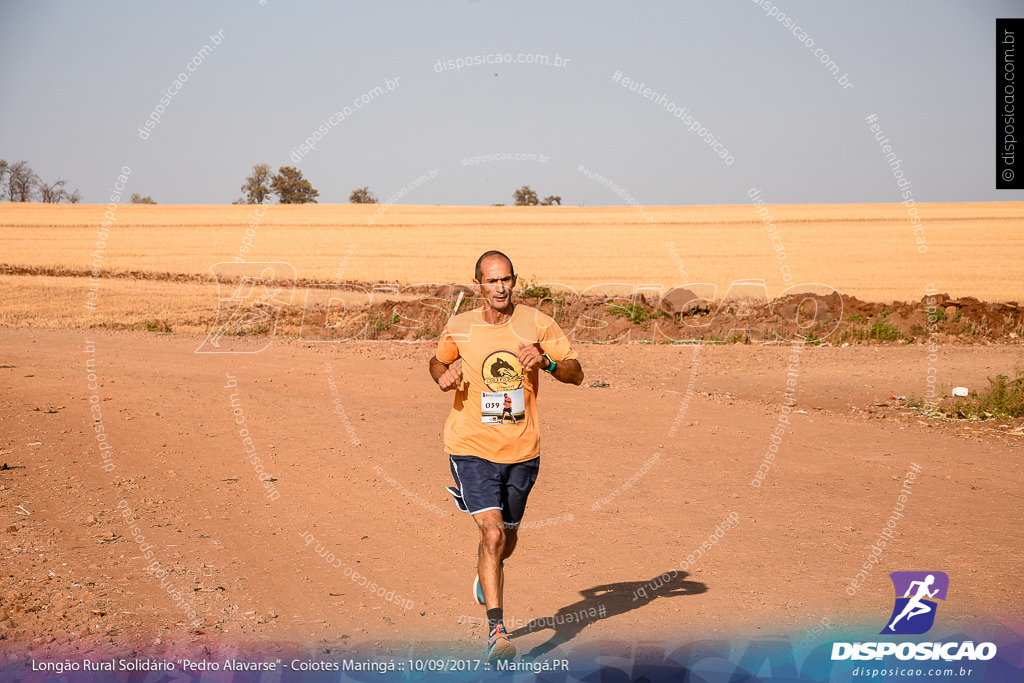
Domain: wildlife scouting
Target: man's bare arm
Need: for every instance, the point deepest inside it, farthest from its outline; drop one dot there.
(437, 368)
(447, 377)
(568, 371)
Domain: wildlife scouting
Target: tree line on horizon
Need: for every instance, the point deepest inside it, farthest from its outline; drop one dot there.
(291, 188)
(19, 183)
(524, 196)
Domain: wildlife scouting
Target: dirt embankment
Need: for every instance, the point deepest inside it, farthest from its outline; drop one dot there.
(682, 316)
(316, 311)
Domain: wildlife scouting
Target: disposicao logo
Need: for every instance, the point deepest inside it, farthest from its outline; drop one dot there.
(913, 613)
(915, 607)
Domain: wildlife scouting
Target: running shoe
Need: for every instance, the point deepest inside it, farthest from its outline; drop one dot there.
(498, 644)
(478, 592)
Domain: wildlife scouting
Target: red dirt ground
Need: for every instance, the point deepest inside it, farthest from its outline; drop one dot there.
(74, 579)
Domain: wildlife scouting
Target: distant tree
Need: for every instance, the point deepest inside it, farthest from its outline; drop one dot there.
(51, 193)
(257, 185)
(362, 195)
(21, 182)
(497, 205)
(291, 188)
(54, 193)
(139, 199)
(550, 200)
(3, 172)
(524, 196)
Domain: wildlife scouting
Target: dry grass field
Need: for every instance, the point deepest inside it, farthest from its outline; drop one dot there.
(868, 251)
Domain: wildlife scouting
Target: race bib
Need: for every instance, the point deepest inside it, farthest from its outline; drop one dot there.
(502, 407)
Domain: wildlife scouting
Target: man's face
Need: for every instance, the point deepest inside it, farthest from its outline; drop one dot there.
(497, 284)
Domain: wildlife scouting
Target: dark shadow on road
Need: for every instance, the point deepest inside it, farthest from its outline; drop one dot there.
(601, 602)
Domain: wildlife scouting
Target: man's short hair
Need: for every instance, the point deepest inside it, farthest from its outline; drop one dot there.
(479, 273)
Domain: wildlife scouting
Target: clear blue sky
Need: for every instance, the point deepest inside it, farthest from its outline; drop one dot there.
(78, 80)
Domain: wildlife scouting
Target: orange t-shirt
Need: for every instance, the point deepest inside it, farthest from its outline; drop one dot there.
(490, 369)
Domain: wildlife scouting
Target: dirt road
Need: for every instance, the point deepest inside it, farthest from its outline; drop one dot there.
(636, 475)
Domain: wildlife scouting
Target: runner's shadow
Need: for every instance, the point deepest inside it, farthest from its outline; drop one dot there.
(605, 601)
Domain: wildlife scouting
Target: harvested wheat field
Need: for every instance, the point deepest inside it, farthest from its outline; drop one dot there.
(867, 251)
(134, 517)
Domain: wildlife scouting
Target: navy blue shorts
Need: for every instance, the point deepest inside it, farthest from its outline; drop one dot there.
(484, 485)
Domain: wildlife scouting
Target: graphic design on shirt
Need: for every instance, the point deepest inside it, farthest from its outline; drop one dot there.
(502, 371)
(505, 402)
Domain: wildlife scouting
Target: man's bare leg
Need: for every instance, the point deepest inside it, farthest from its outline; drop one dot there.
(493, 541)
(511, 538)
(496, 543)
(494, 549)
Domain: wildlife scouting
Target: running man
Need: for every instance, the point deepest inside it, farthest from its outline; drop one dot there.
(504, 347)
(915, 605)
(507, 409)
